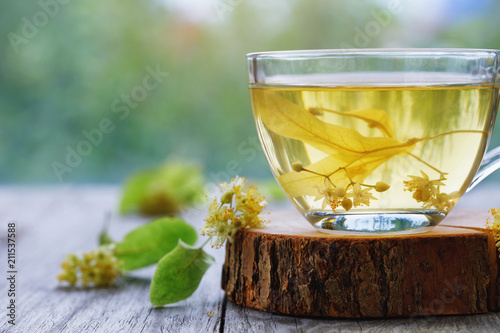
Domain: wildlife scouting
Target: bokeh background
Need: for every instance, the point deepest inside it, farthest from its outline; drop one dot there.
(166, 79)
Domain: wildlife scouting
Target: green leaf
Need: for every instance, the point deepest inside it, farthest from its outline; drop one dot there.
(178, 274)
(147, 244)
(163, 190)
(135, 189)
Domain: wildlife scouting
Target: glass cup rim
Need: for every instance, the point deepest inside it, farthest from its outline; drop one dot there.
(373, 52)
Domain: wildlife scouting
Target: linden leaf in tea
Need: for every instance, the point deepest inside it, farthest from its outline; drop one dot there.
(290, 120)
(348, 157)
(373, 117)
(351, 156)
(178, 274)
(147, 244)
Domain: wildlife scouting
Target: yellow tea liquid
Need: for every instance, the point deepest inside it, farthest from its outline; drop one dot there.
(424, 142)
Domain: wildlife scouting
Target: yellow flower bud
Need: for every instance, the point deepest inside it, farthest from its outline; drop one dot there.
(227, 197)
(297, 166)
(315, 111)
(347, 204)
(381, 187)
(339, 192)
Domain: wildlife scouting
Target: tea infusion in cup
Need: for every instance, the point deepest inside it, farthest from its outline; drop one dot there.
(375, 140)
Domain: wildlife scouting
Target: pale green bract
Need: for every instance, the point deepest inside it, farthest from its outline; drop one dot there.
(178, 274)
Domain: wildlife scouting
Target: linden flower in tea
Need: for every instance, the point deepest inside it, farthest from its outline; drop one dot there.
(336, 195)
(424, 188)
(361, 196)
(443, 201)
(338, 152)
(428, 192)
(330, 194)
(331, 122)
(237, 209)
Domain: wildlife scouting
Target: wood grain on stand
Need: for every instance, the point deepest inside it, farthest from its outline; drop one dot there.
(288, 267)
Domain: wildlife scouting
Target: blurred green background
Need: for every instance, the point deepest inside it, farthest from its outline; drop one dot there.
(68, 68)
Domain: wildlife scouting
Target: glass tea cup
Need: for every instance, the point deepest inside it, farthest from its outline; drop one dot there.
(376, 141)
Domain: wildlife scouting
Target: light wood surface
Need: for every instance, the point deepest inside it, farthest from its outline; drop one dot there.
(54, 221)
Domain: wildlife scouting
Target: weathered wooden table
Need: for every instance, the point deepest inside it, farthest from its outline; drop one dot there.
(51, 222)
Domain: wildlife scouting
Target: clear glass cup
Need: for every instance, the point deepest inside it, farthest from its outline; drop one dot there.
(376, 140)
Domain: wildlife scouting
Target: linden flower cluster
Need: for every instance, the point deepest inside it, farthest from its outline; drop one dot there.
(336, 196)
(346, 196)
(494, 225)
(236, 210)
(98, 268)
(428, 192)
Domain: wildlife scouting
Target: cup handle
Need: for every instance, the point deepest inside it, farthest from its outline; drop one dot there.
(491, 162)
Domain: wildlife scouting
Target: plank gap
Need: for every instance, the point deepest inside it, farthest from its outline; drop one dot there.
(223, 314)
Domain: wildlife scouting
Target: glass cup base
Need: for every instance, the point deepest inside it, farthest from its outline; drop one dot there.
(395, 223)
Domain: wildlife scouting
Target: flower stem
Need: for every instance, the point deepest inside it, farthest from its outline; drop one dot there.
(380, 126)
(314, 172)
(452, 132)
(328, 178)
(206, 242)
(442, 174)
(347, 173)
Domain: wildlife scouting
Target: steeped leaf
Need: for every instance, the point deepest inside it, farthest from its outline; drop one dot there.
(290, 120)
(373, 117)
(345, 147)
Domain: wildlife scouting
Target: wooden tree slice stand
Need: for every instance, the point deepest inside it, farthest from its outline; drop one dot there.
(290, 268)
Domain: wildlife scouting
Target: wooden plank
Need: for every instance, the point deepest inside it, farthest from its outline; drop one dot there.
(241, 319)
(54, 222)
